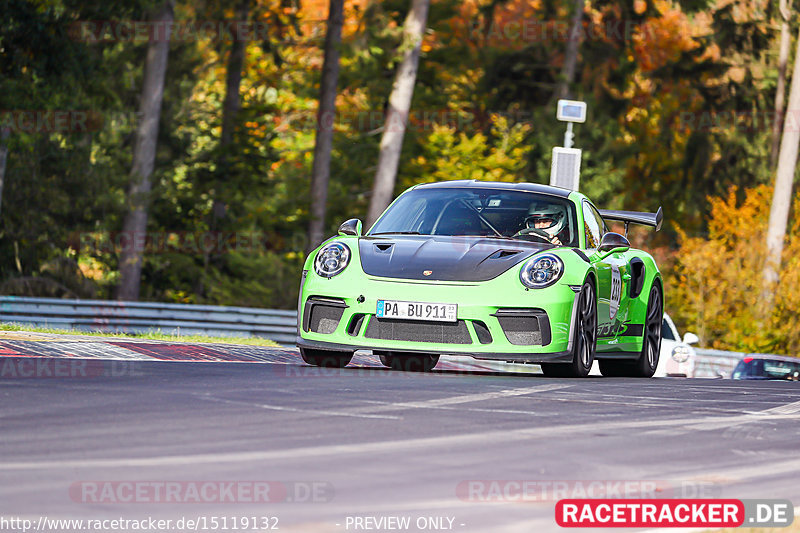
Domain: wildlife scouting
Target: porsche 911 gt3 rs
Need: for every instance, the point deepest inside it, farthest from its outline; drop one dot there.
(522, 273)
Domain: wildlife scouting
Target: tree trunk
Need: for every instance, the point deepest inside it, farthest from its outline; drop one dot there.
(321, 171)
(230, 109)
(394, 127)
(571, 55)
(782, 196)
(144, 153)
(233, 82)
(4, 133)
(231, 106)
(780, 96)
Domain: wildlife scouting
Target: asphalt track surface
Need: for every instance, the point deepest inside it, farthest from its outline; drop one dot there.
(455, 444)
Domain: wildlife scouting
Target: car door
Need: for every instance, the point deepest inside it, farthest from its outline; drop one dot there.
(613, 280)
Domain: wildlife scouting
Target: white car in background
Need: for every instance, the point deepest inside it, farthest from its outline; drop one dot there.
(677, 357)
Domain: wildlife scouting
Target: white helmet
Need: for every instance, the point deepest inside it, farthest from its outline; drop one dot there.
(551, 218)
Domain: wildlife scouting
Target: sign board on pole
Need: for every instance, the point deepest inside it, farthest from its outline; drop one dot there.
(571, 111)
(566, 168)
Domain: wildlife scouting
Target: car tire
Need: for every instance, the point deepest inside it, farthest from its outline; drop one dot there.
(325, 358)
(584, 342)
(408, 362)
(647, 362)
(646, 365)
(615, 369)
(386, 358)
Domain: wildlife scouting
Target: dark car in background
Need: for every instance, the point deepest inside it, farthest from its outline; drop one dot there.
(773, 367)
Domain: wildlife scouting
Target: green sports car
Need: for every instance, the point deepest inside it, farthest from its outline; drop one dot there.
(514, 272)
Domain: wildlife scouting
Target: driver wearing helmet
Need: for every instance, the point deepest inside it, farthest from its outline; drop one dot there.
(548, 218)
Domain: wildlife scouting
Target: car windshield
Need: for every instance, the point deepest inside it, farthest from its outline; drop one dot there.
(766, 369)
(481, 212)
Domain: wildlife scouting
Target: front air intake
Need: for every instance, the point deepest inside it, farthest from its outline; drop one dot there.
(482, 332)
(322, 315)
(525, 327)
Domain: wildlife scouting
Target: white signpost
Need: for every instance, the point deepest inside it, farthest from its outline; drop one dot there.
(566, 167)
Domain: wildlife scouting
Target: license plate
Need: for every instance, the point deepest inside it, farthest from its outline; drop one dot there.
(417, 311)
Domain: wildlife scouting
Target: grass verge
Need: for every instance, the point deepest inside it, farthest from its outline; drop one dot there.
(153, 335)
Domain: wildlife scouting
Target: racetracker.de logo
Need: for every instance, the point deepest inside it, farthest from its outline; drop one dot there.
(201, 492)
(650, 513)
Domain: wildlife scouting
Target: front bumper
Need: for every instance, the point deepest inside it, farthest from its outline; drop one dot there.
(519, 326)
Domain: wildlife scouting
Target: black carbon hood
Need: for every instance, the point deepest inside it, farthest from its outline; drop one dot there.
(443, 258)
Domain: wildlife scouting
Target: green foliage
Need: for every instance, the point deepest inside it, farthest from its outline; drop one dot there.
(152, 335)
(451, 155)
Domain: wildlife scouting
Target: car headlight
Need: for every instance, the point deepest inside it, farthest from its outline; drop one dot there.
(332, 259)
(541, 271)
(680, 353)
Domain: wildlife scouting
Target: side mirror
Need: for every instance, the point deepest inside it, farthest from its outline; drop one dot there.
(613, 243)
(351, 227)
(690, 338)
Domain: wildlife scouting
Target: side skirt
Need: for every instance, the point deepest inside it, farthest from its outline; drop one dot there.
(617, 355)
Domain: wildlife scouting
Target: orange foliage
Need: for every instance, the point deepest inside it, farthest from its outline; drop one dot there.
(314, 13)
(514, 25)
(717, 283)
(663, 39)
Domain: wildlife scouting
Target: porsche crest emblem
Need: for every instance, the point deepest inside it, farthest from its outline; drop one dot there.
(427, 272)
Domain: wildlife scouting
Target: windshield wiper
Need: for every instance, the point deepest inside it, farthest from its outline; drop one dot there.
(488, 236)
(397, 233)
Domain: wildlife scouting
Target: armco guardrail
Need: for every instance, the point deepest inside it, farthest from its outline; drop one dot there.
(716, 363)
(141, 317)
(186, 319)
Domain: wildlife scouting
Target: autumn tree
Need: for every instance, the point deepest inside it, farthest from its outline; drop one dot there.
(571, 53)
(784, 178)
(326, 112)
(232, 103)
(397, 112)
(712, 289)
(144, 154)
(784, 11)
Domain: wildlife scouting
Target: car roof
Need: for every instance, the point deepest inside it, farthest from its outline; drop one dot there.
(477, 184)
(770, 357)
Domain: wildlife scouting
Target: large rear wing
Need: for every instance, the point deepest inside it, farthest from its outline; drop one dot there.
(635, 217)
